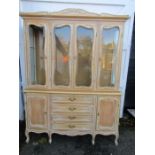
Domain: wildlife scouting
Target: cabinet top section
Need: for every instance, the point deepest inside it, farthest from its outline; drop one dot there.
(73, 13)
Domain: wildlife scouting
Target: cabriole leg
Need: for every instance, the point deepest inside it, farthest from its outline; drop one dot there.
(27, 136)
(116, 139)
(93, 139)
(50, 138)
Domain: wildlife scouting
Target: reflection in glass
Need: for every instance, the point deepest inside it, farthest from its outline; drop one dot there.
(109, 48)
(84, 58)
(62, 41)
(37, 55)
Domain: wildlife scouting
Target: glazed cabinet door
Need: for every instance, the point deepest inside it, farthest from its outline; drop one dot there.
(37, 111)
(107, 113)
(109, 56)
(61, 37)
(84, 53)
(36, 54)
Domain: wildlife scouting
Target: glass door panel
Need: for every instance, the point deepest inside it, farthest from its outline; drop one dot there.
(85, 37)
(37, 55)
(107, 59)
(62, 37)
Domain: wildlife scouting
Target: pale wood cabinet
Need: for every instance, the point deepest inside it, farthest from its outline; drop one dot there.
(73, 62)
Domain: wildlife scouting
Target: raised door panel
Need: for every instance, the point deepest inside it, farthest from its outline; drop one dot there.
(107, 113)
(108, 58)
(85, 35)
(61, 55)
(37, 111)
(36, 54)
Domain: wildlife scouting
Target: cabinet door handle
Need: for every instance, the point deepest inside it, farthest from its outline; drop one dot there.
(72, 98)
(72, 108)
(71, 126)
(71, 117)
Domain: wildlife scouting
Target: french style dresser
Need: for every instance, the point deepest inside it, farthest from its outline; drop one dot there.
(72, 64)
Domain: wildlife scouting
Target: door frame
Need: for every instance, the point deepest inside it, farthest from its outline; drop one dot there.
(116, 115)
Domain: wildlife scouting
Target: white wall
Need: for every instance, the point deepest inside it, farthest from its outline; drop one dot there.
(119, 7)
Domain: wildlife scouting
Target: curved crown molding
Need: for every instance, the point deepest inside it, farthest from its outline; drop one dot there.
(72, 13)
(77, 12)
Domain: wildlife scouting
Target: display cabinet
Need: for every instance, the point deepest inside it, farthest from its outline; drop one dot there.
(73, 63)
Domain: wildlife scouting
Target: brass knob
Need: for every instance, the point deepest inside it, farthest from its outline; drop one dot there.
(72, 98)
(71, 126)
(71, 117)
(72, 108)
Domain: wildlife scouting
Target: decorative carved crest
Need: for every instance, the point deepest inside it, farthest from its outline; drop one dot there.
(77, 12)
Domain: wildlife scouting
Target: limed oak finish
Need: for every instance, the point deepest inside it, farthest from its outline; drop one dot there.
(73, 63)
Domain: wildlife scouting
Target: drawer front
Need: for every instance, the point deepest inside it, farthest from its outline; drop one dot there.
(71, 118)
(61, 107)
(71, 126)
(72, 98)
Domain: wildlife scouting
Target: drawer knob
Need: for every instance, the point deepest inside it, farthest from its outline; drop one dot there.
(72, 98)
(71, 126)
(71, 117)
(72, 108)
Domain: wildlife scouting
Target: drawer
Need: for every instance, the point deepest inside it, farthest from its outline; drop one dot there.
(71, 118)
(70, 107)
(72, 126)
(72, 98)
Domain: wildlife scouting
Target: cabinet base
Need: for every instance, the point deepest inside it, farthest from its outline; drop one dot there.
(93, 136)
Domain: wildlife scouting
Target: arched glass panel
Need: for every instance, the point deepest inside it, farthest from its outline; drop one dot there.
(84, 56)
(62, 47)
(110, 38)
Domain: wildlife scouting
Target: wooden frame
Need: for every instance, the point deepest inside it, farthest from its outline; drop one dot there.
(65, 102)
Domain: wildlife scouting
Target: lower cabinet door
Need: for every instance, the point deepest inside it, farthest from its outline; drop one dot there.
(37, 112)
(107, 114)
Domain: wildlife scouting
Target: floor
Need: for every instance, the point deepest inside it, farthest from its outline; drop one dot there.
(81, 145)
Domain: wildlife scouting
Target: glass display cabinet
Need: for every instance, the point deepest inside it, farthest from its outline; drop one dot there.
(73, 63)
